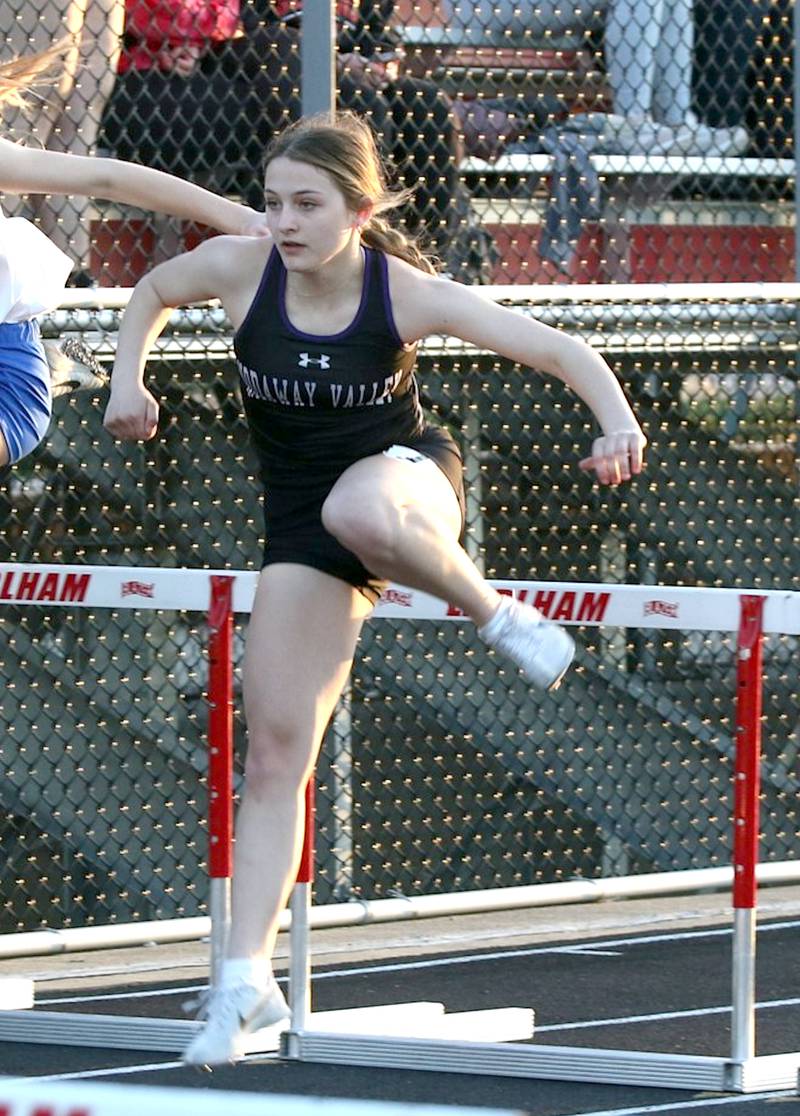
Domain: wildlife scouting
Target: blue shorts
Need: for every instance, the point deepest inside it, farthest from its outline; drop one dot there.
(25, 399)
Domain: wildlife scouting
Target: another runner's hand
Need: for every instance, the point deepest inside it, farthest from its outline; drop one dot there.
(132, 414)
(253, 223)
(616, 457)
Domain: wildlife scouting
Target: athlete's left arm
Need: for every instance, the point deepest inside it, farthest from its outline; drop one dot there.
(30, 170)
(430, 305)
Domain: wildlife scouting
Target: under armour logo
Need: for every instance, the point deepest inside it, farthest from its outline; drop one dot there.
(322, 360)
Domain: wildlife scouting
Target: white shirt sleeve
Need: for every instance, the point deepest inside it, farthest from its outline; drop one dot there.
(33, 271)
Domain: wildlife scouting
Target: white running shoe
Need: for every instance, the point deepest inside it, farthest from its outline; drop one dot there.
(73, 367)
(542, 649)
(234, 1012)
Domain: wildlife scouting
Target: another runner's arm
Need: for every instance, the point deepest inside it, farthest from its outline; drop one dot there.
(30, 170)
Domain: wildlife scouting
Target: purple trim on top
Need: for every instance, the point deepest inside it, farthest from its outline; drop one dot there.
(326, 336)
(383, 268)
(257, 297)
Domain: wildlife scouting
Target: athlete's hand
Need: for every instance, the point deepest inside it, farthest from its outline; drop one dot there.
(616, 457)
(132, 414)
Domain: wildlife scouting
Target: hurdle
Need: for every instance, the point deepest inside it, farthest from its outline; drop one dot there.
(423, 1036)
(217, 595)
(750, 615)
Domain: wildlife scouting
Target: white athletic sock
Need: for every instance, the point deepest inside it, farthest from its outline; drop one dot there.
(250, 970)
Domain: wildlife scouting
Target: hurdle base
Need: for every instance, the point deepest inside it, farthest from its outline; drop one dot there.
(767, 1072)
(555, 1063)
(16, 993)
(111, 1032)
(119, 1032)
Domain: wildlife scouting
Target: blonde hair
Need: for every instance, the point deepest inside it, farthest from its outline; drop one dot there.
(19, 75)
(344, 147)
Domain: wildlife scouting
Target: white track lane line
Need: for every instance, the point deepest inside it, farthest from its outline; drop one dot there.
(614, 1021)
(499, 955)
(465, 959)
(124, 1071)
(81, 1075)
(659, 1017)
(683, 1106)
(97, 997)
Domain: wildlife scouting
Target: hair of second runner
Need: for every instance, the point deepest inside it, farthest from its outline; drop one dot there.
(344, 147)
(18, 76)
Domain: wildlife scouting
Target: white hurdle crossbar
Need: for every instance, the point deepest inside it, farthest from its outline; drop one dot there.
(402, 1036)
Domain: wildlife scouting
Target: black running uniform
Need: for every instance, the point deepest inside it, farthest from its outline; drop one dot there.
(315, 405)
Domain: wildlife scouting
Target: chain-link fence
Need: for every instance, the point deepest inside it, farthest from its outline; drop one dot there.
(441, 770)
(598, 140)
(590, 140)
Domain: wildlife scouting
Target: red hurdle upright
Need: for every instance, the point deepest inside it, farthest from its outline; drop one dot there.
(746, 828)
(220, 765)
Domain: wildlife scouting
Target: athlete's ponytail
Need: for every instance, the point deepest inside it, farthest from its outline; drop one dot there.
(378, 233)
(345, 149)
(19, 75)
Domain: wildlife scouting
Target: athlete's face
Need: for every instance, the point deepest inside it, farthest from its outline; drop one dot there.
(307, 215)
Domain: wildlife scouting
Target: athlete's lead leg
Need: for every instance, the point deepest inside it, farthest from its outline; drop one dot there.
(402, 519)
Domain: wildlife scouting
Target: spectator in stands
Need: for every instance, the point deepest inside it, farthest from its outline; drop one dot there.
(202, 88)
(648, 57)
(413, 119)
(68, 118)
(174, 108)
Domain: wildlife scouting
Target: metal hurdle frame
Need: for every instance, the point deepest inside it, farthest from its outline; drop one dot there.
(750, 615)
(402, 1036)
(217, 594)
(121, 587)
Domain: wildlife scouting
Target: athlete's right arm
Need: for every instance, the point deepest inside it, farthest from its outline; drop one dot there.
(201, 275)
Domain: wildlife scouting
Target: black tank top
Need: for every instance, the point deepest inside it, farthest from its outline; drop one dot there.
(321, 403)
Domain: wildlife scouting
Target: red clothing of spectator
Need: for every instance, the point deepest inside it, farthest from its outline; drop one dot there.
(153, 28)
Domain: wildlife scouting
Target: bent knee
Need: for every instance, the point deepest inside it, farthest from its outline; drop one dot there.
(367, 528)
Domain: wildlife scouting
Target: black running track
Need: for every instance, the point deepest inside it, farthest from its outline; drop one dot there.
(659, 991)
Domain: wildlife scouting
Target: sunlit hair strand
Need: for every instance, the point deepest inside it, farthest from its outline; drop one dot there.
(19, 76)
